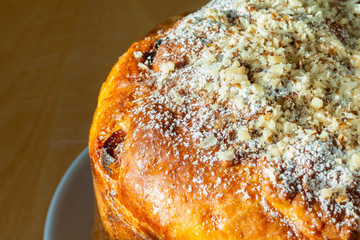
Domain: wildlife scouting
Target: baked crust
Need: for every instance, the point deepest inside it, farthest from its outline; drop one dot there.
(114, 205)
(148, 185)
(112, 220)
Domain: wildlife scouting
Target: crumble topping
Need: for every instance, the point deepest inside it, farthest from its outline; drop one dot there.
(275, 80)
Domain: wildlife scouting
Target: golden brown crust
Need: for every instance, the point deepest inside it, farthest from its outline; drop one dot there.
(98, 232)
(151, 183)
(127, 214)
(114, 221)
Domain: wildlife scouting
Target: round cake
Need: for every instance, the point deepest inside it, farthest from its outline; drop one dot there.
(238, 121)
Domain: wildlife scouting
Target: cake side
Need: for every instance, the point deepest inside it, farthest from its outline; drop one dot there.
(112, 220)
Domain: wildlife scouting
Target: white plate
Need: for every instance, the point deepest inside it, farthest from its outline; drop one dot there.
(70, 215)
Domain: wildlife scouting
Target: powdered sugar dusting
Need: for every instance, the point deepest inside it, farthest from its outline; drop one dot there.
(272, 83)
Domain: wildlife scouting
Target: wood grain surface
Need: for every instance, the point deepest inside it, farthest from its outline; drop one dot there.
(54, 56)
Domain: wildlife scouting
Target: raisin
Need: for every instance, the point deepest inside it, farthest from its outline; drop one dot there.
(110, 159)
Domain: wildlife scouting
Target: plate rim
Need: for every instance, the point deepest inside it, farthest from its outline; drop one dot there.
(56, 196)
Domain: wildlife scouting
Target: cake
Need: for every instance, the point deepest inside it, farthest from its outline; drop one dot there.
(237, 121)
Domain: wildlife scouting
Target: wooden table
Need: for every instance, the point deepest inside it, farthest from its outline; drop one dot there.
(54, 56)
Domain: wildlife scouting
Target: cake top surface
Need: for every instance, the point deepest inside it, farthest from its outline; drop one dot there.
(277, 81)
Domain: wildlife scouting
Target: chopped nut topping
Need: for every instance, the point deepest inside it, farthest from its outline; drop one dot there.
(355, 61)
(226, 155)
(354, 162)
(316, 103)
(209, 141)
(243, 134)
(276, 59)
(138, 54)
(167, 67)
(342, 198)
(324, 136)
(325, 193)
